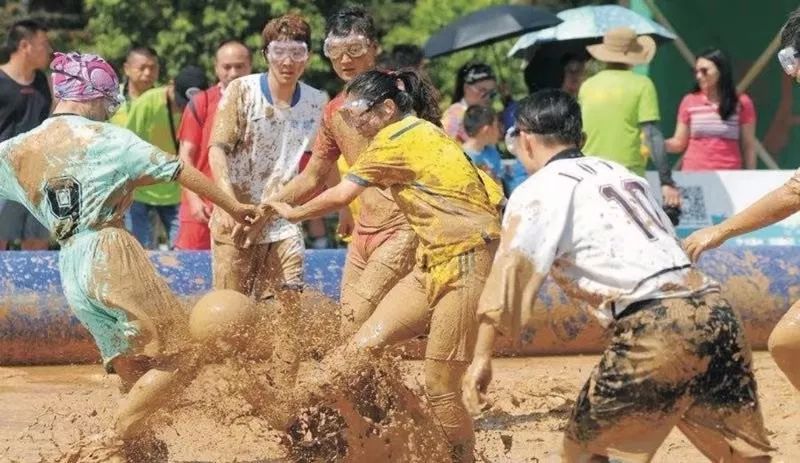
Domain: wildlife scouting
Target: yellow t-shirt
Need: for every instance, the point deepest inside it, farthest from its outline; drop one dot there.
(450, 204)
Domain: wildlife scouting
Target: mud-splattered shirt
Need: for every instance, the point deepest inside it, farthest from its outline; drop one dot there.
(377, 210)
(264, 143)
(599, 231)
(77, 175)
(450, 204)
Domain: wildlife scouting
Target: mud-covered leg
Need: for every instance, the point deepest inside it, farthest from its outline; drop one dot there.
(154, 390)
(784, 344)
(443, 387)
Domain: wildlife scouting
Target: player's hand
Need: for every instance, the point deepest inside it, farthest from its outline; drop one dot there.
(475, 383)
(224, 221)
(198, 209)
(245, 213)
(671, 195)
(249, 234)
(703, 240)
(346, 223)
(284, 210)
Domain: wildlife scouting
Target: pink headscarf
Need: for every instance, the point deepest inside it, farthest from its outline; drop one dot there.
(83, 77)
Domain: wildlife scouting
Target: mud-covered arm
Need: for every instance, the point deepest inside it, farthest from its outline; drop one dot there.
(771, 208)
(328, 201)
(305, 184)
(194, 180)
(226, 133)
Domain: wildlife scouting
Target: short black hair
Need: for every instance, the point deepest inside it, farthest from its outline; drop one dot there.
(21, 30)
(142, 50)
(351, 19)
(406, 55)
(553, 115)
(790, 33)
(477, 117)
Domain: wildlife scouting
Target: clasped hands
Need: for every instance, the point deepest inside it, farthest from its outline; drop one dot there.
(250, 220)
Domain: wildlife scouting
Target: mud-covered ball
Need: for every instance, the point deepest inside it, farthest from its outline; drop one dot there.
(223, 317)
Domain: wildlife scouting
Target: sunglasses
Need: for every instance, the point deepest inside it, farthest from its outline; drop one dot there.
(788, 59)
(335, 48)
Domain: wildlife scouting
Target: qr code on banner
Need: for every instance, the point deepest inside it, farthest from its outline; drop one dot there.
(693, 209)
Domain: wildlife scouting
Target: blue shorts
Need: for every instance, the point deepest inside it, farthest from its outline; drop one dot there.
(115, 292)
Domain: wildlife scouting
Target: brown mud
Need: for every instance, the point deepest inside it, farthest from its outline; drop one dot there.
(47, 408)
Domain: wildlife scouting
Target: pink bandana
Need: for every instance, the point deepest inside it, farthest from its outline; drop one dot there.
(83, 77)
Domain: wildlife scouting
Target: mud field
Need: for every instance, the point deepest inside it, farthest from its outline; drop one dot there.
(47, 408)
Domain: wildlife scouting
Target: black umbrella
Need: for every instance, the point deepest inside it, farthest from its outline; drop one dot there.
(487, 26)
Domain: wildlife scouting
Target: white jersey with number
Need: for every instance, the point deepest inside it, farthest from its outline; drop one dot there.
(596, 227)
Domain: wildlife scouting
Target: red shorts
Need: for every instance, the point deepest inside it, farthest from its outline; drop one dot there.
(193, 236)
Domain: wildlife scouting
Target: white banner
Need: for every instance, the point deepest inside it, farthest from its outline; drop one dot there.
(711, 197)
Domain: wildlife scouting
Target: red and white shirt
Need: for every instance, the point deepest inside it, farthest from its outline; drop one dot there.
(713, 142)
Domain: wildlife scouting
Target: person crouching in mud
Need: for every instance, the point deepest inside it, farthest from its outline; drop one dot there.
(451, 206)
(76, 174)
(677, 354)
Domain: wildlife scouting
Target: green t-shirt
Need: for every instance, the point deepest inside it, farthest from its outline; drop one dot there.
(614, 103)
(120, 117)
(148, 117)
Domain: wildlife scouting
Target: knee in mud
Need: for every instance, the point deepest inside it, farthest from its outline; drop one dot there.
(782, 344)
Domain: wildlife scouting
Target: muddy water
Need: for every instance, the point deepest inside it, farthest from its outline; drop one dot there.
(44, 408)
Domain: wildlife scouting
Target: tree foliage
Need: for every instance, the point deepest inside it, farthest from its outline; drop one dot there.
(188, 31)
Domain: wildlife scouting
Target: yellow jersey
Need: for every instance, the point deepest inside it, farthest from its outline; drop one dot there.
(451, 205)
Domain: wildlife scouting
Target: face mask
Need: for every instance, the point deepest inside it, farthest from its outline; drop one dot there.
(353, 46)
(278, 51)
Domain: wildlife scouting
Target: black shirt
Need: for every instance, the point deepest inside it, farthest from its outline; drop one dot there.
(22, 107)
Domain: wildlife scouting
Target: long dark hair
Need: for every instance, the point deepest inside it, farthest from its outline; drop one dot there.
(726, 89)
(407, 88)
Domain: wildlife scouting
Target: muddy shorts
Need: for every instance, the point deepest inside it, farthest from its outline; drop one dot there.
(440, 301)
(681, 361)
(115, 292)
(375, 263)
(261, 270)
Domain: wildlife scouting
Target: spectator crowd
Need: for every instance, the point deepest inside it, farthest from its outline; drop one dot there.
(715, 128)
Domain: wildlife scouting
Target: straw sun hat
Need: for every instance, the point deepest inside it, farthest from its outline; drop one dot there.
(622, 45)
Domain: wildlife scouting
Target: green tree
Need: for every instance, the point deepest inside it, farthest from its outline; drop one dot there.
(187, 31)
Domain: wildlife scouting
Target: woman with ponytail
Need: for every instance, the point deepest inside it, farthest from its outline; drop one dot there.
(452, 207)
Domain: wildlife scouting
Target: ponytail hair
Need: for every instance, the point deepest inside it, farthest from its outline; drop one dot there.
(407, 89)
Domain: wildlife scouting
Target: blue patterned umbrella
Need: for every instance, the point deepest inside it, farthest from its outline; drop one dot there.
(585, 26)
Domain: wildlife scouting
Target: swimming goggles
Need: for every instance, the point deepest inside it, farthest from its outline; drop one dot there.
(352, 46)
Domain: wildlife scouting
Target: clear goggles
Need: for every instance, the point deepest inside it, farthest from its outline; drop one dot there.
(113, 102)
(788, 58)
(356, 107)
(352, 46)
(278, 51)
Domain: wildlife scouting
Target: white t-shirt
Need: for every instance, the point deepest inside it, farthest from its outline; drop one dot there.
(264, 141)
(599, 231)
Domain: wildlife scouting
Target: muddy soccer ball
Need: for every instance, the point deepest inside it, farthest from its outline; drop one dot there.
(223, 316)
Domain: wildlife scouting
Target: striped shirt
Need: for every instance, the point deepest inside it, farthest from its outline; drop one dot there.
(713, 142)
